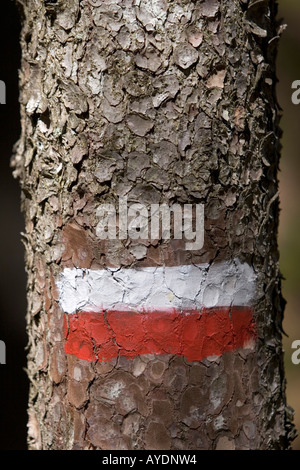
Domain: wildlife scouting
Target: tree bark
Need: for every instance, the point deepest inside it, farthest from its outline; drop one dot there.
(161, 102)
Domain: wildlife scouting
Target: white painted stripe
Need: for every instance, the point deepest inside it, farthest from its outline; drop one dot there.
(191, 286)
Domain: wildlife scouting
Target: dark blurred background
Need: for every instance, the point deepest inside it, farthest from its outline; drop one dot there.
(288, 70)
(13, 381)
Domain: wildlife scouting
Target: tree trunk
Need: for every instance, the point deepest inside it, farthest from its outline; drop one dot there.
(151, 102)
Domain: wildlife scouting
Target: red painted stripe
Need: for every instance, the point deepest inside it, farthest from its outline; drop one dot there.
(193, 334)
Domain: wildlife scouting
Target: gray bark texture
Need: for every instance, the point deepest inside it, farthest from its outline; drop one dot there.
(161, 101)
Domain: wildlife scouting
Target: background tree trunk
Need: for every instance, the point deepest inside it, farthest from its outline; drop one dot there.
(162, 102)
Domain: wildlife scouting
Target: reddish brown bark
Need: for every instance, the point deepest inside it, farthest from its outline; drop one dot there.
(164, 102)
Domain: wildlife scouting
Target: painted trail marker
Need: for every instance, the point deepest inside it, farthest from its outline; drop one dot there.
(194, 311)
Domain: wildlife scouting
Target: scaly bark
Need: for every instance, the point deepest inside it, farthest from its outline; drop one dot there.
(164, 102)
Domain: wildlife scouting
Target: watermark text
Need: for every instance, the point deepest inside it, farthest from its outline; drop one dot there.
(2, 352)
(160, 221)
(296, 93)
(296, 354)
(2, 92)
